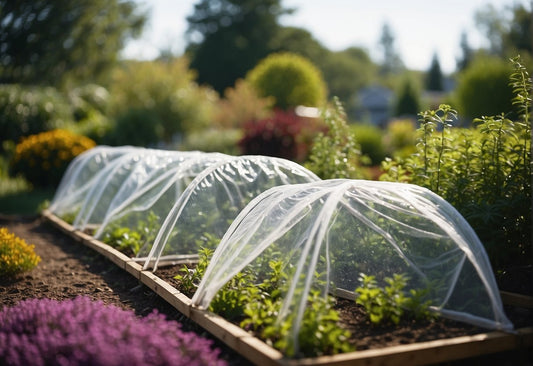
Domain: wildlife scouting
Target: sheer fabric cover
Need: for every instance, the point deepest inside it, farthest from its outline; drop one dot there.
(202, 214)
(81, 174)
(329, 232)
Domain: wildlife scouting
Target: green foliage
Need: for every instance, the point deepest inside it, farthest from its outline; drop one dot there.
(484, 172)
(43, 158)
(290, 79)
(137, 127)
(434, 79)
(407, 100)
(483, 88)
(347, 72)
(214, 140)
(370, 139)
(388, 304)
(52, 43)
(16, 256)
(254, 297)
(228, 38)
(399, 137)
(130, 240)
(335, 154)
(241, 104)
(190, 279)
(167, 91)
(90, 108)
(28, 110)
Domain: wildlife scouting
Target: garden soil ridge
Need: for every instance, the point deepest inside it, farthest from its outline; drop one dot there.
(69, 269)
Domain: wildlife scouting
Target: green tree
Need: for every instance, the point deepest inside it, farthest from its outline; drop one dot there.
(434, 80)
(407, 102)
(508, 30)
(51, 42)
(346, 72)
(391, 62)
(466, 53)
(228, 37)
(165, 89)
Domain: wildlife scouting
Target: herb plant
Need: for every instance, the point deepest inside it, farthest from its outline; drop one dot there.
(254, 298)
(388, 304)
(483, 171)
(131, 240)
(336, 154)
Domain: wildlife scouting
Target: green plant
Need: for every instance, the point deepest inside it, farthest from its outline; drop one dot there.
(254, 297)
(214, 140)
(335, 154)
(369, 138)
(388, 304)
(167, 91)
(130, 240)
(16, 255)
(399, 138)
(137, 127)
(43, 158)
(28, 110)
(484, 172)
(290, 79)
(241, 104)
(483, 88)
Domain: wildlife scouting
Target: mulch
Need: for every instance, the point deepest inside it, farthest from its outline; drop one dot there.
(69, 269)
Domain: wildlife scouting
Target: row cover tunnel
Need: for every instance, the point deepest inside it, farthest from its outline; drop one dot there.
(255, 209)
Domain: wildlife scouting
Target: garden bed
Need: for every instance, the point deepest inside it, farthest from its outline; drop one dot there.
(447, 343)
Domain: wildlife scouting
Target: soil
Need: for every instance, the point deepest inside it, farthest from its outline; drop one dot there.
(69, 269)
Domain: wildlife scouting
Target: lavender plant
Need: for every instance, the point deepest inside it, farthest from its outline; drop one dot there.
(85, 332)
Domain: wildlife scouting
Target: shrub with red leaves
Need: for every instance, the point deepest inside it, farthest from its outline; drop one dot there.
(84, 332)
(284, 135)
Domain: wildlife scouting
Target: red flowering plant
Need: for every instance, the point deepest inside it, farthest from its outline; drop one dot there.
(284, 135)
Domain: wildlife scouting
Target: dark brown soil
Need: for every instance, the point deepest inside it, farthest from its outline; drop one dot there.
(69, 269)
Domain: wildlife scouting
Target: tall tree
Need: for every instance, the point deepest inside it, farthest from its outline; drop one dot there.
(48, 42)
(466, 53)
(407, 100)
(434, 81)
(228, 37)
(391, 62)
(508, 30)
(520, 35)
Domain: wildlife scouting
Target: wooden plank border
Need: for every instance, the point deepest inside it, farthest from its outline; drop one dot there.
(259, 352)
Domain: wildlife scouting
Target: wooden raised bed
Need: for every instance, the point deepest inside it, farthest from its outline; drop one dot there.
(259, 352)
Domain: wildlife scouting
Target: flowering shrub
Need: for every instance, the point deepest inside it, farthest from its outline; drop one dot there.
(281, 135)
(15, 254)
(43, 158)
(84, 332)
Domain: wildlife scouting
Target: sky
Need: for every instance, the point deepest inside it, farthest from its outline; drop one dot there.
(421, 28)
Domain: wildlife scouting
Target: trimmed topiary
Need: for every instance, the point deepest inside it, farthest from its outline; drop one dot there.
(290, 79)
(84, 332)
(43, 158)
(16, 256)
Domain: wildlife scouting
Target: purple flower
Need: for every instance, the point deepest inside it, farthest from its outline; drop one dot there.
(85, 332)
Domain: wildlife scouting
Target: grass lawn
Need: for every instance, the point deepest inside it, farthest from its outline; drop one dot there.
(17, 198)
